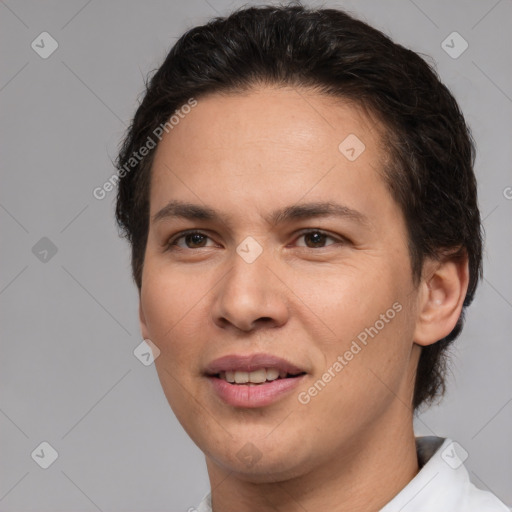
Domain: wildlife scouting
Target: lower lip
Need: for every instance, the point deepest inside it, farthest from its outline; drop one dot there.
(259, 395)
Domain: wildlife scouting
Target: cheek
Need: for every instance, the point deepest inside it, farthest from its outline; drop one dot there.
(349, 298)
(366, 318)
(171, 304)
(171, 301)
(358, 381)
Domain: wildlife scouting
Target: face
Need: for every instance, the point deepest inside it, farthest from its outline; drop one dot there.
(274, 250)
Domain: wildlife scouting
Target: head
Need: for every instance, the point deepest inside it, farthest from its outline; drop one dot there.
(253, 114)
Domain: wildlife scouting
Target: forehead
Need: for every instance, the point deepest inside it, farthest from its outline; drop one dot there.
(299, 118)
(268, 145)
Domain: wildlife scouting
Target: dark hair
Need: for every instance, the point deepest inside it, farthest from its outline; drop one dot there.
(430, 147)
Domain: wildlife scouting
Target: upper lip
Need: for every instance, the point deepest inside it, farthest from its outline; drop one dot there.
(249, 363)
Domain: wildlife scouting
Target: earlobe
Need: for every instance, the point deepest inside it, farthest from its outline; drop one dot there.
(441, 296)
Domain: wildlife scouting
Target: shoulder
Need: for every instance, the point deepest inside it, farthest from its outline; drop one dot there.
(479, 500)
(442, 483)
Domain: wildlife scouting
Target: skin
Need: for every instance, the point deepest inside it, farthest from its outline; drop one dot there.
(305, 298)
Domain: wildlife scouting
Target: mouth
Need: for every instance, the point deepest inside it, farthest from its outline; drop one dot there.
(254, 380)
(256, 377)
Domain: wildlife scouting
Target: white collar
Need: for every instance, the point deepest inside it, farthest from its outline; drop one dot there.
(441, 485)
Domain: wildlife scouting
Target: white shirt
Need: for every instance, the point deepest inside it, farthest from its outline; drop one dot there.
(441, 485)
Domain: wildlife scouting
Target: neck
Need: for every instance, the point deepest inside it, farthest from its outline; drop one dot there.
(373, 467)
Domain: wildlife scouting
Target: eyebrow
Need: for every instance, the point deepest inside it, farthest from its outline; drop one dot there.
(190, 211)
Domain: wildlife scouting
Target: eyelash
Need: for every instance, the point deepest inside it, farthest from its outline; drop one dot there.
(171, 244)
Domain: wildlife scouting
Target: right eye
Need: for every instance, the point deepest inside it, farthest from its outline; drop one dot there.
(192, 240)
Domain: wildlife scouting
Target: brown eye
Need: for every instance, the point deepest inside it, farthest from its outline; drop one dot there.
(195, 240)
(192, 240)
(315, 239)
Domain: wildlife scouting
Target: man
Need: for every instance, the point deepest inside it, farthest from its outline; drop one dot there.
(305, 236)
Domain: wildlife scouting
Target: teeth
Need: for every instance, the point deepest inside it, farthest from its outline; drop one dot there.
(241, 377)
(255, 377)
(272, 373)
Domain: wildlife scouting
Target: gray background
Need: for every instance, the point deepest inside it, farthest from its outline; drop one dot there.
(69, 320)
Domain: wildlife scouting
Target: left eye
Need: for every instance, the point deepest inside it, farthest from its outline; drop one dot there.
(315, 238)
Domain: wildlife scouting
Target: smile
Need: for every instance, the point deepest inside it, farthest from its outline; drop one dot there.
(255, 377)
(254, 380)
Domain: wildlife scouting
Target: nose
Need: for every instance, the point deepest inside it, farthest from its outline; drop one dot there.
(250, 296)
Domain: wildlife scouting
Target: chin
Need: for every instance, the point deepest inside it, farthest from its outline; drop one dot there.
(262, 464)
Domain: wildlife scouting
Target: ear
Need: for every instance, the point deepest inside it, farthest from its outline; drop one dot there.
(142, 320)
(441, 295)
